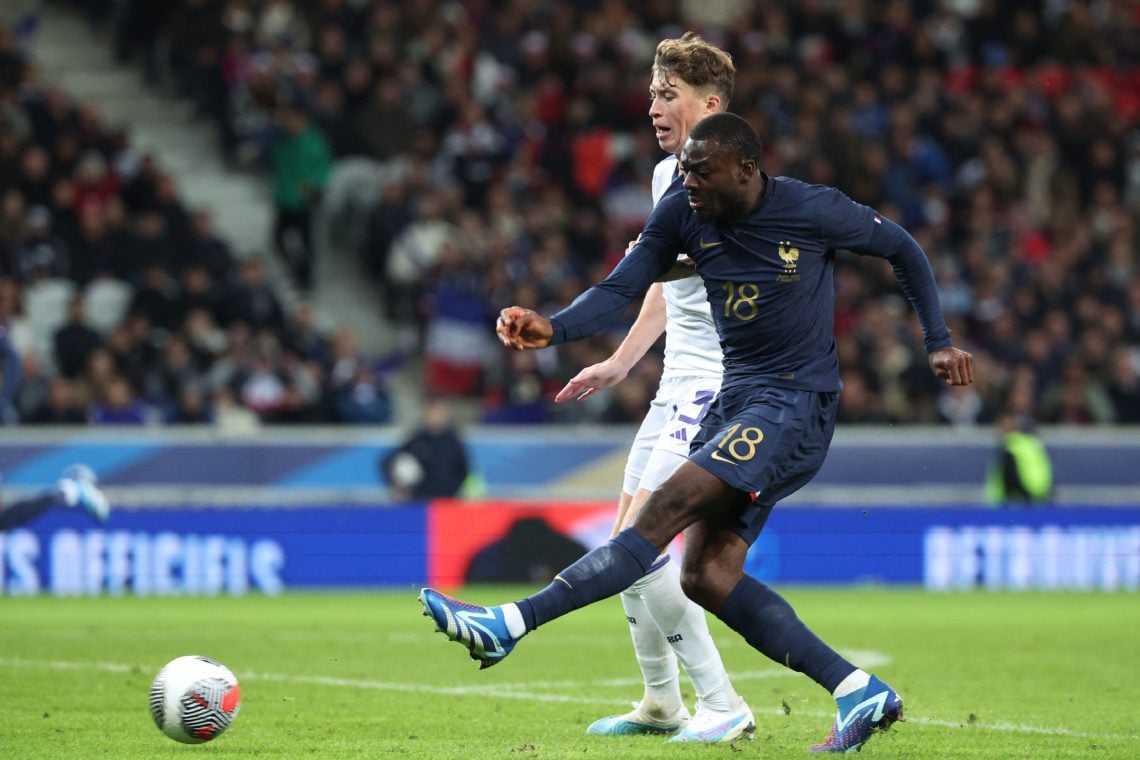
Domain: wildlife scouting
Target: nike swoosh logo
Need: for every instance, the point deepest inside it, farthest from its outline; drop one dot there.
(705, 245)
(878, 702)
(716, 455)
(560, 578)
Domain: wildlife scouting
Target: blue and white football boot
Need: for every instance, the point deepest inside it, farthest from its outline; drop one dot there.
(713, 726)
(642, 720)
(875, 707)
(483, 630)
(78, 486)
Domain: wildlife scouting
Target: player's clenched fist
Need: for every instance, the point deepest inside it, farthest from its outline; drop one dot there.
(520, 328)
(953, 365)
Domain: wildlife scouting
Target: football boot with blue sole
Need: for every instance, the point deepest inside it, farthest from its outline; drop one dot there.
(481, 629)
(860, 714)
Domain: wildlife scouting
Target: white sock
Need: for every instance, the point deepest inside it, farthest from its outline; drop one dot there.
(516, 627)
(656, 659)
(69, 492)
(851, 684)
(683, 623)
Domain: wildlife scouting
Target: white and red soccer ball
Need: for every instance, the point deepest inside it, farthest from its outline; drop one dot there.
(194, 699)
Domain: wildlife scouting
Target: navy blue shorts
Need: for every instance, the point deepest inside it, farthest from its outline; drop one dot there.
(766, 441)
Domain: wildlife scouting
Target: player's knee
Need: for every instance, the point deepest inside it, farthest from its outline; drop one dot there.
(699, 585)
(708, 584)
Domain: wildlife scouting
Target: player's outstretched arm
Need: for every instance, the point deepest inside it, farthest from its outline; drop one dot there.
(953, 365)
(646, 329)
(520, 329)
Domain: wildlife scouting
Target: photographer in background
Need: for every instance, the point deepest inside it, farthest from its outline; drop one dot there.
(432, 462)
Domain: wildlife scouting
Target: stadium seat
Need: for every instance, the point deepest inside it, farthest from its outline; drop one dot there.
(45, 303)
(107, 300)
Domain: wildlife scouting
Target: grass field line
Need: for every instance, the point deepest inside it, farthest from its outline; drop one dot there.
(491, 690)
(617, 683)
(512, 691)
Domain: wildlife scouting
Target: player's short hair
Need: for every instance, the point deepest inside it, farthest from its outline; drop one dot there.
(701, 65)
(732, 133)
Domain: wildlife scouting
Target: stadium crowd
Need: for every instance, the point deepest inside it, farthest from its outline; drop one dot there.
(1003, 135)
(121, 306)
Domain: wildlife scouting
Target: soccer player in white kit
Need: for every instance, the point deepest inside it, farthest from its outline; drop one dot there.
(691, 79)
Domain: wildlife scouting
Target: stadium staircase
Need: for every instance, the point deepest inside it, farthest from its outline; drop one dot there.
(70, 54)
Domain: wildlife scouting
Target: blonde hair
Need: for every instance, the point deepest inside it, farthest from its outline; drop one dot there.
(699, 64)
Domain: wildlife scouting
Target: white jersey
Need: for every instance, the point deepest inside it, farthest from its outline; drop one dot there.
(692, 347)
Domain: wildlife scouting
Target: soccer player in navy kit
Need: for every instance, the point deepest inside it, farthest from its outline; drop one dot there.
(690, 79)
(763, 246)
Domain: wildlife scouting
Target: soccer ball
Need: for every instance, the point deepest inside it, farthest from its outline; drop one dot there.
(194, 699)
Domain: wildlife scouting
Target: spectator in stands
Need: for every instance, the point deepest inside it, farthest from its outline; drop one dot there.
(304, 338)
(94, 184)
(301, 165)
(386, 221)
(59, 406)
(40, 253)
(196, 290)
(192, 407)
(139, 33)
(262, 385)
(35, 177)
(165, 381)
(385, 126)
(413, 256)
(93, 253)
(135, 345)
(207, 249)
(1124, 386)
(1004, 131)
(518, 391)
(251, 299)
(13, 217)
(157, 297)
(75, 340)
(206, 339)
(119, 405)
(195, 53)
(356, 384)
(148, 245)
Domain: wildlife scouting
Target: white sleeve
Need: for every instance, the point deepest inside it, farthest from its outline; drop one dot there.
(663, 176)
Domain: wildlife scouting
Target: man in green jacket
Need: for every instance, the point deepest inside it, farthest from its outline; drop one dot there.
(301, 165)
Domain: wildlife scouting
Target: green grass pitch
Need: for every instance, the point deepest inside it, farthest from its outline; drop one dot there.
(362, 675)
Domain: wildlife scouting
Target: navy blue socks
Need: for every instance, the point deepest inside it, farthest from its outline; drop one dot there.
(770, 625)
(603, 572)
(26, 510)
(753, 610)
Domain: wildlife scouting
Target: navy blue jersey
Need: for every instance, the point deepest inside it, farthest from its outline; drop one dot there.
(769, 278)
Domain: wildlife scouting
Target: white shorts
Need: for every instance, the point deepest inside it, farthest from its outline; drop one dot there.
(662, 441)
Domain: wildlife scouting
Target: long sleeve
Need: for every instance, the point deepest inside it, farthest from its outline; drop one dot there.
(855, 227)
(916, 278)
(602, 304)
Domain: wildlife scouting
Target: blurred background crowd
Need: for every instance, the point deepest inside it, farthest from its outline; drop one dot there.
(477, 154)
